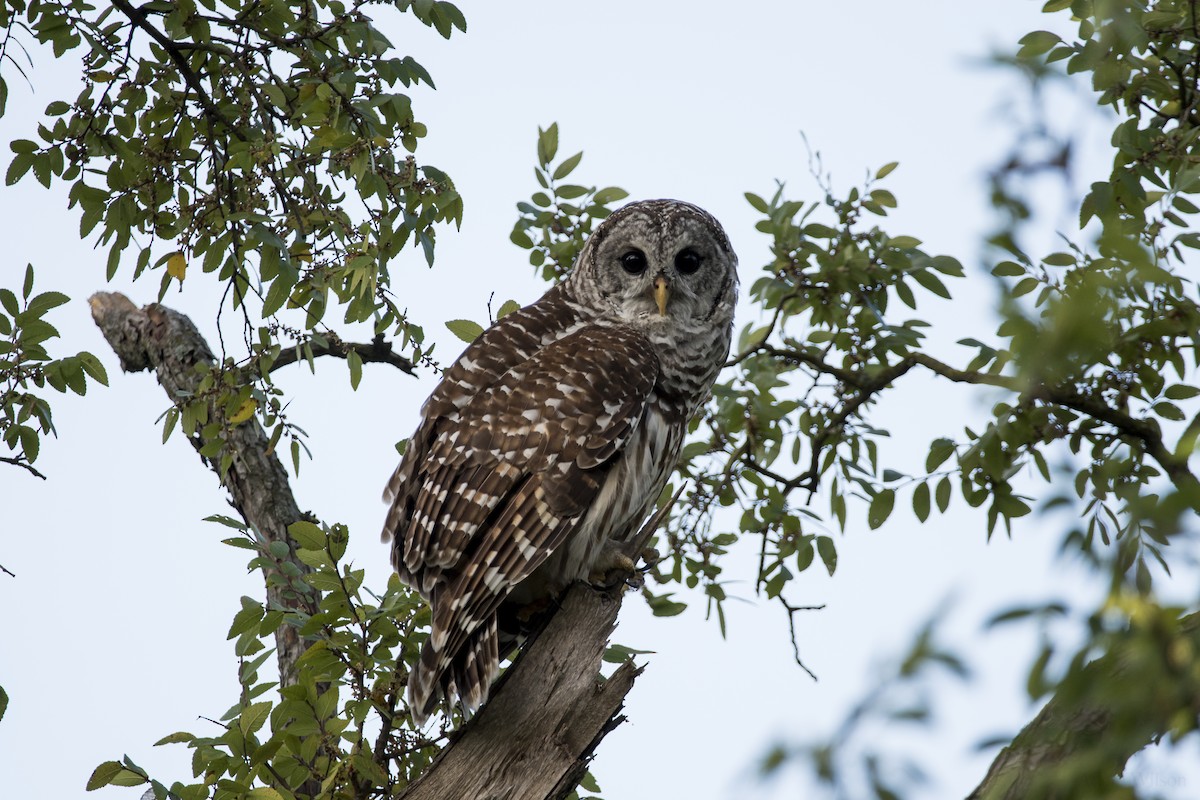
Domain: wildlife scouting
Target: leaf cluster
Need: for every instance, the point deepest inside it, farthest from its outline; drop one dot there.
(838, 331)
(26, 368)
(556, 222)
(267, 145)
(342, 729)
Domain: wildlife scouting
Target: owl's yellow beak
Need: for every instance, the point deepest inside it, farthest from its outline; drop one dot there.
(660, 294)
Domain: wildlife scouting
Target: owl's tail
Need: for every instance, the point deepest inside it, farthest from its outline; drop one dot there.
(465, 676)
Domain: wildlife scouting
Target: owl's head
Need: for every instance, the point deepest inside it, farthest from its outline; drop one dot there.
(658, 264)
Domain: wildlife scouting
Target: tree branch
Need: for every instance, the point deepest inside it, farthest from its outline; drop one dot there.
(378, 351)
(865, 385)
(138, 18)
(1145, 431)
(536, 735)
(1076, 726)
(23, 464)
(165, 341)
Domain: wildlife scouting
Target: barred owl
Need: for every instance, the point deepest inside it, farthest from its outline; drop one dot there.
(554, 434)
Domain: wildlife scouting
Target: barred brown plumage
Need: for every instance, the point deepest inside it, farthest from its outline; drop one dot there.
(554, 433)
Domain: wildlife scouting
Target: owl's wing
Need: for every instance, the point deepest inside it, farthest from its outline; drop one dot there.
(506, 480)
(511, 341)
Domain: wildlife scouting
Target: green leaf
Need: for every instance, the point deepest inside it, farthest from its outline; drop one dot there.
(881, 507)
(566, 167)
(931, 282)
(1181, 392)
(103, 775)
(127, 777)
(1008, 269)
(465, 329)
(883, 197)
(619, 653)
(30, 442)
(324, 582)
(886, 170)
(249, 616)
(757, 203)
(17, 168)
(509, 307)
(254, 716)
(939, 451)
(547, 144)
(1037, 685)
(609, 194)
(3, 702)
(827, 552)
(220, 519)
(264, 793)
(354, 362)
(521, 239)
(307, 535)
(570, 192)
(942, 494)
(1060, 260)
(277, 295)
(588, 783)
(1169, 411)
(663, 605)
(92, 366)
(1037, 43)
(176, 738)
(921, 501)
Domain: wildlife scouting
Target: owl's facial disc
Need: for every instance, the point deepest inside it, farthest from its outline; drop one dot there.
(659, 264)
(660, 294)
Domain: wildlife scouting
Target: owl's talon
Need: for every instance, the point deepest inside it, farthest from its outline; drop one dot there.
(616, 566)
(650, 557)
(611, 570)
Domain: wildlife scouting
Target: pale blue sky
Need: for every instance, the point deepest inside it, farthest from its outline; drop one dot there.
(114, 628)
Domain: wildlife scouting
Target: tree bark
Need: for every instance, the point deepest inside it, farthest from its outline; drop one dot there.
(1096, 724)
(165, 341)
(536, 735)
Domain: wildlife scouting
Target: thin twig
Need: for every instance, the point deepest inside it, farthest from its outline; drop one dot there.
(18, 462)
(792, 610)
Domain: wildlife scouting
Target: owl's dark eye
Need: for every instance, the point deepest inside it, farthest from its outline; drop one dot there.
(634, 262)
(688, 261)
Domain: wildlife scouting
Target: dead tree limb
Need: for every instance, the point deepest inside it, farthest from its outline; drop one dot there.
(534, 738)
(165, 341)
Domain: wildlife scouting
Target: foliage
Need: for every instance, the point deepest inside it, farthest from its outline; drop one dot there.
(556, 222)
(342, 726)
(26, 367)
(1091, 369)
(902, 699)
(270, 145)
